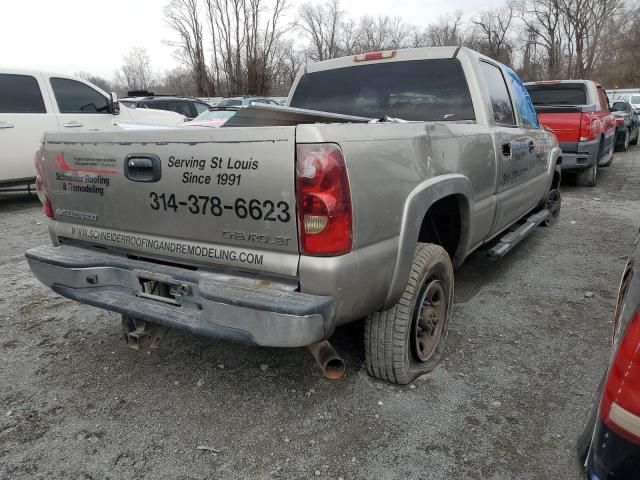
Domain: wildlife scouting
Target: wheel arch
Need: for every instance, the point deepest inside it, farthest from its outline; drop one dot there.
(428, 204)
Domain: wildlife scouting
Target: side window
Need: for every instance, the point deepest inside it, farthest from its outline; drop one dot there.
(76, 97)
(183, 108)
(604, 101)
(523, 102)
(500, 99)
(20, 94)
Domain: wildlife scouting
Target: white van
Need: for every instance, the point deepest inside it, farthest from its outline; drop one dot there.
(33, 102)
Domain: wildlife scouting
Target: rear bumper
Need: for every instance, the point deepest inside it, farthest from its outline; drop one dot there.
(579, 157)
(612, 456)
(243, 309)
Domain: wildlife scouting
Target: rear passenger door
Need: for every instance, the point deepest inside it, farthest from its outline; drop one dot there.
(512, 145)
(607, 119)
(25, 114)
(540, 150)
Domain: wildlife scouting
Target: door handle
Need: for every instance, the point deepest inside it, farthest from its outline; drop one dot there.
(72, 124)
(506, 150)
(6, 125)
(142, 167)
(532, 146)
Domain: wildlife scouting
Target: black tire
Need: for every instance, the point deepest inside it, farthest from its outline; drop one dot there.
(635, 140)
(588, 177)
(553, 203)
(624, 146)
(396, 339)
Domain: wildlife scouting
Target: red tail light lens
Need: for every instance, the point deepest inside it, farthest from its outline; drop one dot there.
(588, 127)
(620, 405)
(41, 187)
(619, 121)
(324, 200)
(365, 57)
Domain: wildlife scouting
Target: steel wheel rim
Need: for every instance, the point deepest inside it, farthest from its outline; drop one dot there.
(553, 203)
(430, 316)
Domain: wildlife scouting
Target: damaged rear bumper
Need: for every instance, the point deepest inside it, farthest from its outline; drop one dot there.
(232, 307)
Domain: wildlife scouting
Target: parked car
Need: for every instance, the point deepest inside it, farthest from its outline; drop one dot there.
(634, 100)
(627, 124)
(213, 117)
(313, 216)
(244, 101)
(188, 107)
(33, 102)
(577, 111)
(609, 444)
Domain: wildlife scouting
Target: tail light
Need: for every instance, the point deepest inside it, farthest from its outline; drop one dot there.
(41, 187)
(620, 405)
(619, 122)
(324, 200)
(588, 127)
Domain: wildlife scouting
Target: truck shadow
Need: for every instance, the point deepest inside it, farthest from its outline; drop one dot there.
(17, 201)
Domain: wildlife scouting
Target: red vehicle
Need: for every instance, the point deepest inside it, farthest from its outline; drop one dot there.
(578, 112)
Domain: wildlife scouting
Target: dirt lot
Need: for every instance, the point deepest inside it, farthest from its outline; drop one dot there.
(527, 348)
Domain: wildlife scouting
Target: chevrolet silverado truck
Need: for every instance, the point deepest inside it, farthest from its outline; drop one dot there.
(577, 111)
(355, 200)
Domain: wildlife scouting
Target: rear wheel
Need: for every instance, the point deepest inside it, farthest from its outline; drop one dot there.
(624, 146)
(635, 138)
(588, 177)
(408, 339)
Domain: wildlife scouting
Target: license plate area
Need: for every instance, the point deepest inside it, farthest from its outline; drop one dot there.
(161, 288)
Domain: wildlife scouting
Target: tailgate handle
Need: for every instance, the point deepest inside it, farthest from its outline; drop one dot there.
(142, 167)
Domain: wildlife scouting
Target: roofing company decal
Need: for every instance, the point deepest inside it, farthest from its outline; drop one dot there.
(86, 164)
(88, 175)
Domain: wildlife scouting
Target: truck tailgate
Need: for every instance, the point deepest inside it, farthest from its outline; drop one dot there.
(564, 121)
(220, 197)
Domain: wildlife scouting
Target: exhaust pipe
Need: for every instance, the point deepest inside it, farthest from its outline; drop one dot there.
(326, 357)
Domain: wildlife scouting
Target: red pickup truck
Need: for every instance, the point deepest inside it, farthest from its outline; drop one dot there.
(577, 111)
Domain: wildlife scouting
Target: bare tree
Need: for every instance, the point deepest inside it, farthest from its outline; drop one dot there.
(183, 16)
(543, 21)
(492, 33)
(447, 30)
(321, 24)
(136, 72)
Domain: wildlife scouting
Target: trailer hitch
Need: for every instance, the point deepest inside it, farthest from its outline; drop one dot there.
(140, 334)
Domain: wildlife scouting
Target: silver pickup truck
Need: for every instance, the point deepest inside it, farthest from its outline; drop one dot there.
(356, 200)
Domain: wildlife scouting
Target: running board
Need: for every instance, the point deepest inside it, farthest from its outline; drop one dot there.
(514, 237)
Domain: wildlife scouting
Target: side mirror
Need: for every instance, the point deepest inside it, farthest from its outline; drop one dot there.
(114, 104)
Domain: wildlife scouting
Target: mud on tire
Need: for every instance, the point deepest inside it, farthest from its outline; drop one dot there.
(408, 339)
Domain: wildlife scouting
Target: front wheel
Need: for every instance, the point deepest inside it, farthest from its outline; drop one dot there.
(553, 204)
(408, 339)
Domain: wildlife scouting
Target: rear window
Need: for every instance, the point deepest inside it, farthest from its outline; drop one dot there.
(229, 103)
(20, 94)
(635, 99)
(419, 90)
(619, 107)
(558, 94)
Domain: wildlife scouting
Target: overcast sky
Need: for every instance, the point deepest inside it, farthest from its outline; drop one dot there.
(68, 36)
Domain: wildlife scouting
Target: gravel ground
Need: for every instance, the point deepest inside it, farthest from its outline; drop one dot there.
(527, 348)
